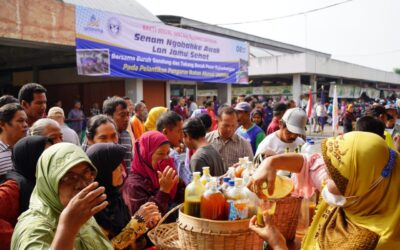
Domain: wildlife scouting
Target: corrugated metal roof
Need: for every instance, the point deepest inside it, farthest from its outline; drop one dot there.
(124, 7)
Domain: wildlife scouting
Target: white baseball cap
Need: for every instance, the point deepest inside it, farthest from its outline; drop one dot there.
(296, 120)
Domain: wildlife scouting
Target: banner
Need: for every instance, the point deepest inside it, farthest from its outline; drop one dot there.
(110, 44)
(207, 92)
(345, 91)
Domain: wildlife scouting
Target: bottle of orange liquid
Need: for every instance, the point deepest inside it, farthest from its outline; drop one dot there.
(213, 203)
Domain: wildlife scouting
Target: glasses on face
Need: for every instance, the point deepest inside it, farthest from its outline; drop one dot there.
(88, 174)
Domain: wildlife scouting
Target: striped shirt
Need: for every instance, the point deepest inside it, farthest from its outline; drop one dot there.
(124, 139)
(5, 158)
(230, 150)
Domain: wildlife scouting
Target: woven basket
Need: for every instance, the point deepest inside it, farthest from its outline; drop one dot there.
(201, 234)
(165, 236)
(286, 216)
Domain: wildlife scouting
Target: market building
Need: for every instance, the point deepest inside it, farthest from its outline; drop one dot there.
(277, 69)
(37, 44)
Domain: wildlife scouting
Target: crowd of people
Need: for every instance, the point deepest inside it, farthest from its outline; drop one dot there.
(132, 166)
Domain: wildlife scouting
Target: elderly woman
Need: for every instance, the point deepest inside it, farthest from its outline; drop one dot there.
(153, 176)
(63, 203)
(47, 127)
(115, 220)
(359, 206)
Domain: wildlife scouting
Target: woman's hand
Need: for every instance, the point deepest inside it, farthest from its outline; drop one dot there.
(79, 210)
(269, 232)
(84, 205)
(167, 179)
(264, 173)
(150, 213)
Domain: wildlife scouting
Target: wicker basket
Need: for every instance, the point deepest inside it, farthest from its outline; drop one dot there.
(286, 216)
(201, 234)
(165, 236)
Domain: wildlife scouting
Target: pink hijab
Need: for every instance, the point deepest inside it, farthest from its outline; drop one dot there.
(145, 147)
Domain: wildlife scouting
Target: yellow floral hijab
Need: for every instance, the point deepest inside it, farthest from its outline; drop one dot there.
(368, 174)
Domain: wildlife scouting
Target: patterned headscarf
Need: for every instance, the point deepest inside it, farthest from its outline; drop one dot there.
(367, 172)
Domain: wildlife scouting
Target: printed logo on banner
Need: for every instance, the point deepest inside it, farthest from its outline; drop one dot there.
(114, 26)
(93, 25)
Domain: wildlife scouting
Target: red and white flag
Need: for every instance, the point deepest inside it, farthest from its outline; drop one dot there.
(309, 104)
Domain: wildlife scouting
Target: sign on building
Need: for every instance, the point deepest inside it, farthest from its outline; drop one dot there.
(109, 44)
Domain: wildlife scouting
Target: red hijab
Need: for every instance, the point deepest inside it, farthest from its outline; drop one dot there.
(145, 147)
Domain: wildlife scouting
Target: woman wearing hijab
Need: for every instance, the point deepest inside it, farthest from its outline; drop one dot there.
(153, 175)
(359, 206)
(16, 191)
(115, 220)
(153, 116)
(26, 153)
(62, 205)
(256, 116)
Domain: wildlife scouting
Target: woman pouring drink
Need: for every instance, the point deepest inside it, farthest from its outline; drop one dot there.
(360, 193)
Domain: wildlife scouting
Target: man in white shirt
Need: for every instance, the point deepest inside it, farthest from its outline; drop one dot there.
(291, 127)
(69, 135)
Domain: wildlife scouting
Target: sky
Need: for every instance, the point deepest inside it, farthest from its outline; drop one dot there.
(364, 32)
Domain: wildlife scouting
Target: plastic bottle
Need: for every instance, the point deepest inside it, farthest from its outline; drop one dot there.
(193, 194)
(242, 166)
(253, 202)
(231, 172)
(225, 184)
(231, 184)
(237, 201)
(248, 172)
(206, 176)
(311, 147)
(213, 203)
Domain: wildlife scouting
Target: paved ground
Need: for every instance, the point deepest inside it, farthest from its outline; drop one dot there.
(328, 132)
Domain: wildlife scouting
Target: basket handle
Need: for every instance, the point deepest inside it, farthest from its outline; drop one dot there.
(164, 218)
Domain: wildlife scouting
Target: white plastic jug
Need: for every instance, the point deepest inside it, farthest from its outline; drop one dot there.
(311, 147)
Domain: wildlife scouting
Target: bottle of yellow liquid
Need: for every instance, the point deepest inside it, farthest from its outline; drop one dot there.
(206, 177)
(193, 193)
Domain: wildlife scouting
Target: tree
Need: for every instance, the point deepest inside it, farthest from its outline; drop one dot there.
(396, 70)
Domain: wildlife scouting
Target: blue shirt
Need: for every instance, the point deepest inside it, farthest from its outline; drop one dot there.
(254, 135)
